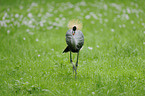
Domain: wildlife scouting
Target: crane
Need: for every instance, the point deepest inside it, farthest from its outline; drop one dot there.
(74, 40)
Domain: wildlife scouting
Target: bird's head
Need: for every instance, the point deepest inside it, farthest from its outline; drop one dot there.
(74, 25)
(74, 28)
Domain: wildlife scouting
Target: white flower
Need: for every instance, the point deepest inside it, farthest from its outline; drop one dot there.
(55, 11)
(97, 46)
(56, 19)
(141, 19)
(143, 42)
(56, 28)
(39, 15)
(37, 40)
(105, 7)
(124, 25)
(49, 27)
(45, 90)
(112, 30)
(28, 10)
(93, 15)
(60, 15)
(83, 3)
(30, 15)
(88, 17)
(70, 12)
(132, 22)
(118, 16)
(38, 55)
(128, 10)
(92, 22)
(63, 18)
(48, 14)
(77, 8)
(137, 15)
(26, 83)
(21, 7)
(21, 78)
(16, 15)
(93, 93)
(41, 24)
(100, 15)
(24, 38)
(8, 31)
(120, 26)
(106, 20)
(127, 17)
(34, 4)
(27, 30)
(144, 32)
(90, 48)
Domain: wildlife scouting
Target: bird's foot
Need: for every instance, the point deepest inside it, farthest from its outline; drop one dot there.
(74, 69)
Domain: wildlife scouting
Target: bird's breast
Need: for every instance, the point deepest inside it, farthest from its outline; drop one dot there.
(75, 41)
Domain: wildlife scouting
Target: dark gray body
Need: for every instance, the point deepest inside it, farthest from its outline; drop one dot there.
(74, 42)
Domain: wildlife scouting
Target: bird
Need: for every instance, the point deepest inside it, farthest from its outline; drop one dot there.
(75, 41)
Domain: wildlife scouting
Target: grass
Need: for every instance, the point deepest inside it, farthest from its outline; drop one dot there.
(32, 38)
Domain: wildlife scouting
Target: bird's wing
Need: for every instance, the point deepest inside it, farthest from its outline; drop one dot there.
(80, 39)
(68, 37)
(71, 42)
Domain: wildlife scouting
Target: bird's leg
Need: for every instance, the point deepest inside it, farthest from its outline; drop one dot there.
(77, 63)
(70, 58)
(77, 60)
(72, 63)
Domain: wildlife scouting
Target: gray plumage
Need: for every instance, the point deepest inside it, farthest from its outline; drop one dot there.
(74, 42)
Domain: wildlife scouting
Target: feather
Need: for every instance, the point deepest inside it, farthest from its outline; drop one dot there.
(76, 23)
(66, 49)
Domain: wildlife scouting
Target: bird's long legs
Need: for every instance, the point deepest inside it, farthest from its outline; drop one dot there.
(77, 63)
(77, 60)
(74, 68)
(72, 62)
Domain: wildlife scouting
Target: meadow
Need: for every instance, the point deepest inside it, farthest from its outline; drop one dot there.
(32, 39)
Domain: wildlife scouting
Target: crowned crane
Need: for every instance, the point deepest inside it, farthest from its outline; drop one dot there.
(74, 40)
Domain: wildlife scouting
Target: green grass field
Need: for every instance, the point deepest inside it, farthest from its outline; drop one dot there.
(32, 38)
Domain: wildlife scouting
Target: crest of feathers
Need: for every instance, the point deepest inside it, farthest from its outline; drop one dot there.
(76, 23)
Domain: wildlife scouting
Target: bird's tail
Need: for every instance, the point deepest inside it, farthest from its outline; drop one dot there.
(66, 49)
